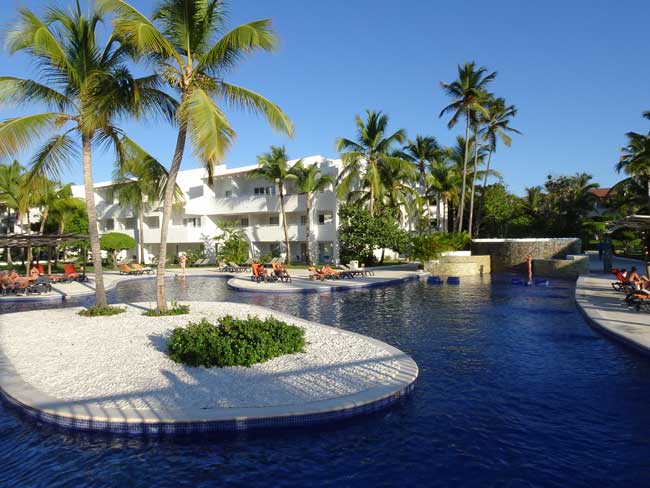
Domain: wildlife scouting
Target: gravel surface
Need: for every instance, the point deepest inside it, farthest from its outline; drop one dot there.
(120, 361)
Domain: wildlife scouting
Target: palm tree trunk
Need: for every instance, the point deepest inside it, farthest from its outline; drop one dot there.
(141, 233)
(29, 248)
(423, 180)
(438, 212)
(471, 203)
(372, 200)
(308, 227)
(284, 224)
(647, 184)
(56, 248)
(93, 230)
(46, 211)
(161, 299)
(459, 226)
(479, 215)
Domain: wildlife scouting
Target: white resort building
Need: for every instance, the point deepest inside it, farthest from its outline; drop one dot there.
(252, 203)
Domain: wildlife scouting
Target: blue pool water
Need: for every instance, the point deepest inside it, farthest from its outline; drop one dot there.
(515, 389)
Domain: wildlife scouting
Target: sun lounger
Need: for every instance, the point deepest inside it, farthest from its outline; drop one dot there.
(125, 269)
(622, 284)
(235, 268)
(141, 269)
(259, 273)
(71, 273)
(54, 278)
(281, 272)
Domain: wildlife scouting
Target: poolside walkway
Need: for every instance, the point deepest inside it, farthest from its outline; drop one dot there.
(607, 312)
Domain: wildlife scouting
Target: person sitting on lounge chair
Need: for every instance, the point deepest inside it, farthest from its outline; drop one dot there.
(641, 282)
(13, 276)
(34, 273)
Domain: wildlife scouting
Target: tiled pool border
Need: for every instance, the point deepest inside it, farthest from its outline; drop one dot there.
(85, 416)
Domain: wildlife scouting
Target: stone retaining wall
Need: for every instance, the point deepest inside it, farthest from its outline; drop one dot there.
(510, 254)
(561, 268)
(459, 266)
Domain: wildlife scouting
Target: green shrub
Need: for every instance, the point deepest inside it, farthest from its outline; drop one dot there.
(234, 342)
(175, 309)
(427, 247)
(106, 311)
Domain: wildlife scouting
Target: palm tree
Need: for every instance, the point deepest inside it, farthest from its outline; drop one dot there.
(397, 177)
(63, 209)
(362, 158)
(445, 180)
(309, 180)
(181, 41)
(468, 94)
(635, 160)
(496, 125)
(274, 167)
(11, 197)
(421, 152)
(142, 180)
(86, 86)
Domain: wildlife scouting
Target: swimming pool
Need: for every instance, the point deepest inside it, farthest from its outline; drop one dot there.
(515, 389)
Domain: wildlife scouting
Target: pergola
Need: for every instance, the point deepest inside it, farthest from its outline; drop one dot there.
(39, 240)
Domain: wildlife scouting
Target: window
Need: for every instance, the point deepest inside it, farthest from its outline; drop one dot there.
(192, 222)
(264, 190)
(325, 218)
(195, 192)
(303, 220)
(243, 222)
(108, 224)
(130, 223)
(274, 220)
(109, 195)
(152, 222)
(227, 194)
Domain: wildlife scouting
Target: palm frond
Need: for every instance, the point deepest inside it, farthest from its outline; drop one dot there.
(244, 39)
(19, 91)
(238, 96)
(18, 133)
(58, 153)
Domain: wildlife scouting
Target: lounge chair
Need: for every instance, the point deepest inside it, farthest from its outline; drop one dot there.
(318, 274)
(54, 278)
(125, 269)
(259, 273)
(622, 284)
(141, 269)
(235, 268)
(201, 262)
(71, 273)
(281, 272)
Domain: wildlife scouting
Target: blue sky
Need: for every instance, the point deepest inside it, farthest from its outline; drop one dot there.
(577, 71)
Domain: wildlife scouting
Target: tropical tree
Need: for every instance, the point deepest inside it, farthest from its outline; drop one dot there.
(273, 166)
(11, 197)
(64, 210)
(445, 181)
(635, 161)
(182, 40)
(363, 157)
(397, 193)
(234, 247)
(468, 95)
(309, 180)
(496, 125)
(142, 180)
(86, 87)
(421, 152)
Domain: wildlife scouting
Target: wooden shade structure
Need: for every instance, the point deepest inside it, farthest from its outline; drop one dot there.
(40, 240)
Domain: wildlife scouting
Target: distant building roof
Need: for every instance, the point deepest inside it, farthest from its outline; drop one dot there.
(600, 192)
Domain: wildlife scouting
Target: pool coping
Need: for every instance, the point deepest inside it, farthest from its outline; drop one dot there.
(80, 415)
(326, 288)
(597, 317)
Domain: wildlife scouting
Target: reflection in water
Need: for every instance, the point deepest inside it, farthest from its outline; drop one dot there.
(514, 389)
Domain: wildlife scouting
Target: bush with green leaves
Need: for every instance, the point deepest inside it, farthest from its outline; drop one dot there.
(116, 241)
(429, 246)
(175, 309)
(106, 311)
(234, 342)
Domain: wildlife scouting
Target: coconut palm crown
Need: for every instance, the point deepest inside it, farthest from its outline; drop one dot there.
(86, 87)
(193, 51)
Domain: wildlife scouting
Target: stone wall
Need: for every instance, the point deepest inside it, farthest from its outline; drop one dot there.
(561, 268)
(510, 254)
(459, 266)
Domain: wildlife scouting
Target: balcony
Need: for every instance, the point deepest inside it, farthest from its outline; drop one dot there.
(275, 233)
(209, 205)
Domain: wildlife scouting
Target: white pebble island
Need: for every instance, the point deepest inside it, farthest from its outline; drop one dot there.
(119, 364)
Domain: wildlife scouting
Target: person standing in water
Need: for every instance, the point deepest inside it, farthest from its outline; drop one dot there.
(529, 260)
(181, 260)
